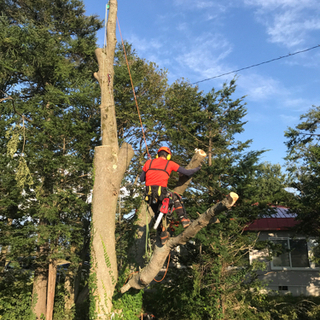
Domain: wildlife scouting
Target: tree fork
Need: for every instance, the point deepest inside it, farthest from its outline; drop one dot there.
(160, 254)
(110, 164)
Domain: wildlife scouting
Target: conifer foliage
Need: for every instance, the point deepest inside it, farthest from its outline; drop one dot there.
(49, 126)
(303, 164)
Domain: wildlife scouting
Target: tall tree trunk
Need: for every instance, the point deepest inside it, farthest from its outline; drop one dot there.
(39, 292)
(110, 164)
(51, 288)
(40, 282)
(109, 171)
(69, 286)
(105, 76)
(4, 250)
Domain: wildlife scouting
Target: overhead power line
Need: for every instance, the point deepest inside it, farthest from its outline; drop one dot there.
(258, 64)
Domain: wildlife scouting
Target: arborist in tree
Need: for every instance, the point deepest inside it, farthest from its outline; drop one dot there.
(156, 173)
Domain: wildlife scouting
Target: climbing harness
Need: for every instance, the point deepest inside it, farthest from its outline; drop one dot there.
(164, 202)
(160, 195)
(163, 211)
(159, 169)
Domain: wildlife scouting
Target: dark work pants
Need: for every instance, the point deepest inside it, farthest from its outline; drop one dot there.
(177, 203)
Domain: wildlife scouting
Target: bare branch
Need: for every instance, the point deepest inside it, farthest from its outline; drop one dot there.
(148, 273)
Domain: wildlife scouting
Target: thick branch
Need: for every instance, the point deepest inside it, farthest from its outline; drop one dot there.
(14, 108)
(126, 153)
(195, 162)
(147, 274)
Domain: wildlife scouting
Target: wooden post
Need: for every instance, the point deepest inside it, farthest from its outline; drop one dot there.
(52, 276)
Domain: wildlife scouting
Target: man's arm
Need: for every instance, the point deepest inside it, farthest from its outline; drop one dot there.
(187, 172)
(143, 176)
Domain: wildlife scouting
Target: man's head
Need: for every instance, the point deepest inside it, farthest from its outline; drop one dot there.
(164, 152)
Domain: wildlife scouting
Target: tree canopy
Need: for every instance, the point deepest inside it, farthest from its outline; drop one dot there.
(50, 125)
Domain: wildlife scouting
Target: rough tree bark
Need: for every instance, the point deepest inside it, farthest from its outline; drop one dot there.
(69, 285)
(52, 276)
(145, 213)
(40, 283)
(110, 164)
(39, 292)
(160, 254)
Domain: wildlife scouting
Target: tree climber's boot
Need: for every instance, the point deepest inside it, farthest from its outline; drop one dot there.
(185, 222)
(180, 210)
(164, 236)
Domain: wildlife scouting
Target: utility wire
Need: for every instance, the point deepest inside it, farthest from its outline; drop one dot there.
(258, 64)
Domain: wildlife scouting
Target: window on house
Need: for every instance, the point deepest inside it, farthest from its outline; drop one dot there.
(290, 253)
(283, 288)
(315, 253)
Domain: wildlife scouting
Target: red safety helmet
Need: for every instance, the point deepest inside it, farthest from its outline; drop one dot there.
(167, 150)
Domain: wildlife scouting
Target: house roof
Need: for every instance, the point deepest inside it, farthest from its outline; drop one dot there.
(282, 219)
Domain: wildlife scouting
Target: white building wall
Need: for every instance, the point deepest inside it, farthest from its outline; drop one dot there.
(305, 281)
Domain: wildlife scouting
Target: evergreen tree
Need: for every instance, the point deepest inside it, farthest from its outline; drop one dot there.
(49, 127)
(303, 165)
(218, 281)
(48, 130)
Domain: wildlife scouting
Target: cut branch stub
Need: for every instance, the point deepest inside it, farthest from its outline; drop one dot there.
(149, 272)
(195, 162)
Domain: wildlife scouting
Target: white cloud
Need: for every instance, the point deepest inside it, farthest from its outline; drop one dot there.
(291, 28)
(203, 4)
(274, 4)
(298, 105)
(143, 45)
(271, 94)
(289, 120)
(260, 88)
(210, 16)
(182, 26)
(206, 55)
(288, 22)
(285, 29)
(200, 4)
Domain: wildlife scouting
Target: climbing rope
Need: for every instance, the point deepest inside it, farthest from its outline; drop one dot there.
(132, 273)
(143, 133)
(165, 272)
(147, 229)
(134, 93)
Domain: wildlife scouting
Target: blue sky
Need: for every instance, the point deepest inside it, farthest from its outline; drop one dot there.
(200, 39)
